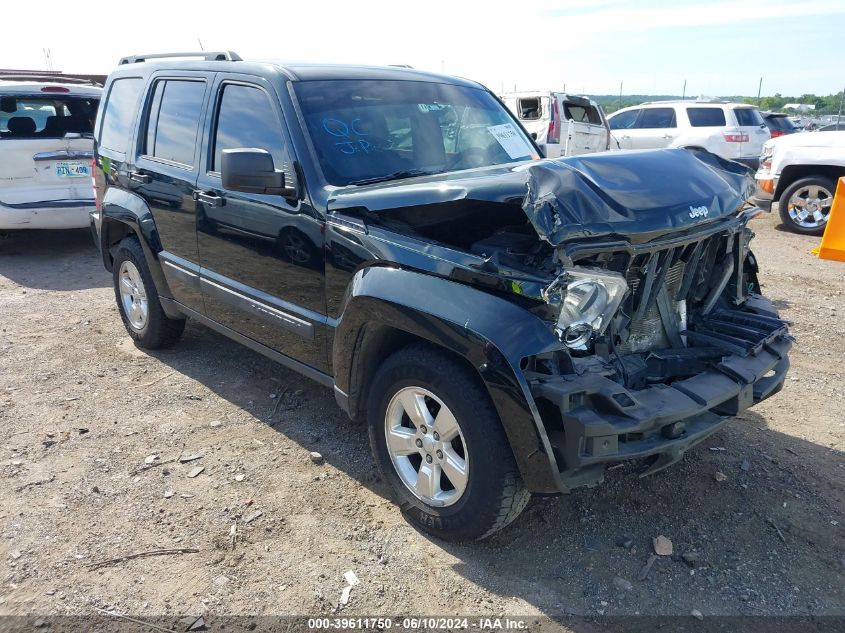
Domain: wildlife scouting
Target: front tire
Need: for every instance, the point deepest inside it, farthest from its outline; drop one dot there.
(805, 205)
(439, 442)
(137, 299)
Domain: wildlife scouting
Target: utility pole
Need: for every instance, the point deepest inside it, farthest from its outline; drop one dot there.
(199, 41)
(839, 116)
(759, 90)
(684, 95)
(620, 95)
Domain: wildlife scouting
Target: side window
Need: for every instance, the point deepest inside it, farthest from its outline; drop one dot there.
(121, 107)
(247, 118)
(529, 108)
(624, 120)
(706, 117)
(174, 118)
(656, 118)
(748, 117)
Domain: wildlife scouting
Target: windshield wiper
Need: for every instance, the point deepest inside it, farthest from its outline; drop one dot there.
(396, 175)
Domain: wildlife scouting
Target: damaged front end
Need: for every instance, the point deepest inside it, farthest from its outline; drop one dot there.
(691, 343)
(664, 338)
(638, 262)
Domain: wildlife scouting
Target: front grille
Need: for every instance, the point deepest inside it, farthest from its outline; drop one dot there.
(647, 332)
(677, 281)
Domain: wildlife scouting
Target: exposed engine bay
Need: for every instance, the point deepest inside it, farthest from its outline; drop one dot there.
(640, 264)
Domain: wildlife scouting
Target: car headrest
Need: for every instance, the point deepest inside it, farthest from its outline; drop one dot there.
(21, 126)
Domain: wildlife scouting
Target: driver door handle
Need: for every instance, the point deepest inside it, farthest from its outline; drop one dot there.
(209, 199)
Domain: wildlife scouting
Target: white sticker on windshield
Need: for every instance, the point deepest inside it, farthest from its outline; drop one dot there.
(510, 140)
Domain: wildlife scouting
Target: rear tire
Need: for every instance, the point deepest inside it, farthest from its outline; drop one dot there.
(810, 219)
(137, 299)
(490, 493)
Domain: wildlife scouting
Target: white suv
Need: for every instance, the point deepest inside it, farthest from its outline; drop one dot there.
(731, 130)
(46, 149)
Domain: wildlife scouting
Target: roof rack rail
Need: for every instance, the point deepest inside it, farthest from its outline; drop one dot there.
(59, 79)
(209, 56)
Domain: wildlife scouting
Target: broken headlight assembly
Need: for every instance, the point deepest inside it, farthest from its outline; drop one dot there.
(588, 300)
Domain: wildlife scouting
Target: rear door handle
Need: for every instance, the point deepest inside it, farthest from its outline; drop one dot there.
(137, 176)
(209, 199)
(668, 136)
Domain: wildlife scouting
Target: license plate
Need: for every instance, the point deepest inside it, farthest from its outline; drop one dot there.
(72, 169)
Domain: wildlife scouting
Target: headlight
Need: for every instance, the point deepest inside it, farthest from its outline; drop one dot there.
(588, 301)
(766, 155)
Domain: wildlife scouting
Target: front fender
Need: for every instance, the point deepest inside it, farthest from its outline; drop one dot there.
(492, 334)
(123, 209)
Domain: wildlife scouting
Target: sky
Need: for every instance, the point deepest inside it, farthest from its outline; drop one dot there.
(718, 47)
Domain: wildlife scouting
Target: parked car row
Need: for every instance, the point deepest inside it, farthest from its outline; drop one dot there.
(46, 124)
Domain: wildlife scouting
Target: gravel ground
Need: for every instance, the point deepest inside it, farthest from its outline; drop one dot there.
(93, 430)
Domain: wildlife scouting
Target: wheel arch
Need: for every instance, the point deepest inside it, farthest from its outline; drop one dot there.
(792, 173)
(125, 214)
(387, 309)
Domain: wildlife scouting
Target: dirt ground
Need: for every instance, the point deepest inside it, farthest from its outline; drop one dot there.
(93, 429)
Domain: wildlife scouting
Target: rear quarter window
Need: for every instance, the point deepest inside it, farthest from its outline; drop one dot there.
(120, 109)
(706, 117)
(748, 116)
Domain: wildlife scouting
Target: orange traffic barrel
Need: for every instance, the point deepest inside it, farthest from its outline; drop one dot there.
(833, 240)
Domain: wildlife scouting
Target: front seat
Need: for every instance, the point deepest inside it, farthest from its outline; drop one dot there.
(427, 142)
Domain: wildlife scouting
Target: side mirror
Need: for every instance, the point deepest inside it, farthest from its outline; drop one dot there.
(251, 170)
(534, 135)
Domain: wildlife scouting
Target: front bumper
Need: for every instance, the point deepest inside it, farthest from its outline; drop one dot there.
(765, 190)
(601, 422)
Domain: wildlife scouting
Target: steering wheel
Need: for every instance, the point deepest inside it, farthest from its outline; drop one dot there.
(470, 157)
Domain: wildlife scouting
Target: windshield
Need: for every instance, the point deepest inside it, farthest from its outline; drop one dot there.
(375, 130)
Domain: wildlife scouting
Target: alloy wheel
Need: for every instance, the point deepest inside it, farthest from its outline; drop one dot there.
(133, 295)
(426, 446)
(809, 207)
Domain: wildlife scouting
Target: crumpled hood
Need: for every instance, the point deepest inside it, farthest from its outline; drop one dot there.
(637, 196)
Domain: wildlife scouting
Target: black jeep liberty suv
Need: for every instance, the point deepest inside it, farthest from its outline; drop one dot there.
(507, 325)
